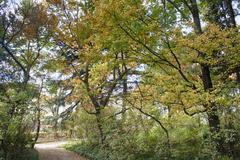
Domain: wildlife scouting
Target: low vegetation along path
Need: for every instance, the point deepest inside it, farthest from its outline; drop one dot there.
(55, 151)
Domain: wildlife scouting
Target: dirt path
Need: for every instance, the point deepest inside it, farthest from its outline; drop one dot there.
(54, 151)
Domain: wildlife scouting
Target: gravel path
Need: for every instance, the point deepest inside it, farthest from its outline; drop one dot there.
(54, 151)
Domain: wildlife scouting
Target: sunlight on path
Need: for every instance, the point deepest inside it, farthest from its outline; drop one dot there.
(54, 151)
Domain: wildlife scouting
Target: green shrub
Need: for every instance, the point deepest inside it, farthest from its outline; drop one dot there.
(93, 153)
(27, 154)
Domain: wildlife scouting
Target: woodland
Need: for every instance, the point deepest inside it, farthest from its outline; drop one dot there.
(127, 79)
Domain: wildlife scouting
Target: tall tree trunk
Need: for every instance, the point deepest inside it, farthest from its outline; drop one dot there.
(229, 16)
(213, 118)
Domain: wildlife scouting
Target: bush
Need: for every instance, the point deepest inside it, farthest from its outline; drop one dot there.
(93, 153)
(27, 154)
(139, 138)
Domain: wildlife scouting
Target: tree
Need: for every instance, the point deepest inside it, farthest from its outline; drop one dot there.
(151, 30)
(23, 36)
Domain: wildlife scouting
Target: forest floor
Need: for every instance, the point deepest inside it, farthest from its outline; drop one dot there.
(55, 151)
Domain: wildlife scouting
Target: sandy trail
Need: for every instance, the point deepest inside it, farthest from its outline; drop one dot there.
(54, 151)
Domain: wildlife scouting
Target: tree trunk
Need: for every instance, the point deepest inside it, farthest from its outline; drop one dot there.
(214, 124)
(38, 115)
(55, 128)
(230, 12)
(38, 127)
(124, 92)
(100, 127)
(213, 118)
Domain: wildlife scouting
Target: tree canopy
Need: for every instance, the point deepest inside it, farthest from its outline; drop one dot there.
(132, 79)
